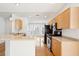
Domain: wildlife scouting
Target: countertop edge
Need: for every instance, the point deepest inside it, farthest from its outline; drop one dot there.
(64, 38)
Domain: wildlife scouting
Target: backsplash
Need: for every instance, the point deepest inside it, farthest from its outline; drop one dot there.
(73, 33)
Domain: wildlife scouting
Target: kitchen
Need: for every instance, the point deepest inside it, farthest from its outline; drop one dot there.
(64, 39)
(22, 28)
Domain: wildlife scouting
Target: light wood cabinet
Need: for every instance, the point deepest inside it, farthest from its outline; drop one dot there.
(2, 49)
(69, 19)
(59, 21)
(63, 20)
(56, 47)
(66, 19)
(63, 46)
(50, 22)
(74, 17)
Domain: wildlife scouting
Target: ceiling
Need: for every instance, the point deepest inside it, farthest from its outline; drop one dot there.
(30, 9)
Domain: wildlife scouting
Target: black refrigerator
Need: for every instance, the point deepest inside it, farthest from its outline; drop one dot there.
(48, 30)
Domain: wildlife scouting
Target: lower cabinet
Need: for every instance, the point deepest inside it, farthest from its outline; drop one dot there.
(56, 47)
(2, 49)
(65, 47)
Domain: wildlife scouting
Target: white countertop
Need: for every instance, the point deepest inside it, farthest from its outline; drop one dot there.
(3, 38)
(64, 39)
(13, 37)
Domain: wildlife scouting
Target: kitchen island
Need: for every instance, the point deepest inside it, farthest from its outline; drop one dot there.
(19, 45)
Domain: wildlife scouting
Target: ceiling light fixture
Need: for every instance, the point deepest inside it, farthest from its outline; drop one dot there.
(17, 4)
(10, 19)
(45, 16)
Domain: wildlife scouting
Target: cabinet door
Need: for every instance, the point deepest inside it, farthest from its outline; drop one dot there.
(59, 20)
(75, 18)
(50, 22)
(63, 20)
(66, 19)
(2, 49)
(56, 47)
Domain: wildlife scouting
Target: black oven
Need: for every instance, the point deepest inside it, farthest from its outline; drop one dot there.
(49, 42)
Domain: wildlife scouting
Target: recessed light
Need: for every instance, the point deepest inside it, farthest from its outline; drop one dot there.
(10, 19)
(17, 4)
(45, 16)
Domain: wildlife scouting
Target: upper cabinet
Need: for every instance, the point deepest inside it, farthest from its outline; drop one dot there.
(74, 17)
(68, 19)
(50, 22)
(63, 20)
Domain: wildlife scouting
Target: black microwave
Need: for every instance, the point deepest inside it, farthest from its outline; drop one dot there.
(58, 32)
